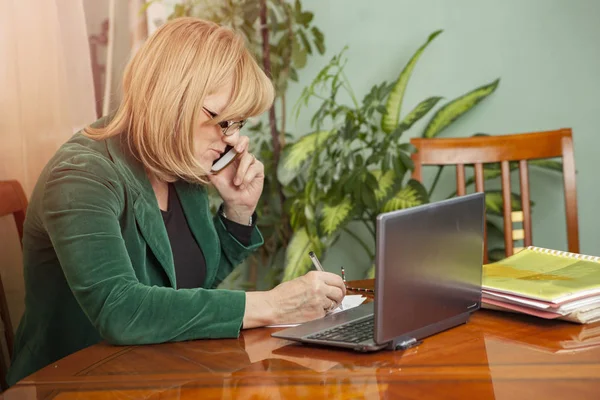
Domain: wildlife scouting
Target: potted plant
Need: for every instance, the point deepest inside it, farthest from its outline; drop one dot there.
(355, 164)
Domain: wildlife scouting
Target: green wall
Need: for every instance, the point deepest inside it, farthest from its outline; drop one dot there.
(546, 52)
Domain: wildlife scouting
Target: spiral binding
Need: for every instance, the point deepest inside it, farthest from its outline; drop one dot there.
(581, 257)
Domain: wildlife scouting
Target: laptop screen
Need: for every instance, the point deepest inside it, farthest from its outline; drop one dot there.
(428, 265)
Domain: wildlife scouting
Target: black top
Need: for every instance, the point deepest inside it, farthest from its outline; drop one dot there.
(190, 265)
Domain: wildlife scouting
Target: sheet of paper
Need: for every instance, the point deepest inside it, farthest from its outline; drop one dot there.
(350, 301)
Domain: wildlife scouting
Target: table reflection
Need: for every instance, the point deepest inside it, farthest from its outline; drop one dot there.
(491, 357)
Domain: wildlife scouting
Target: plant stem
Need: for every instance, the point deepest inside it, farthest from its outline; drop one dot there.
(349, 89)
(267, 65)
(368, 224)
(318, 96)
(264, 27)
(361, 242)
(283, 113)
(436, 179)
(287, 61)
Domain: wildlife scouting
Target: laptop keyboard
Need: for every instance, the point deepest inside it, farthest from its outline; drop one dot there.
(353, 332)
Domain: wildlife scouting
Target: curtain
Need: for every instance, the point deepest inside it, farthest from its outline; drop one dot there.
(128, 29)
(47, 95)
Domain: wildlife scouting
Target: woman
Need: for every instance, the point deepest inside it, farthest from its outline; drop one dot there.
(119, 241)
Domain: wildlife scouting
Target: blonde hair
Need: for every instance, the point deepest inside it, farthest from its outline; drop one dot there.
(164, 87)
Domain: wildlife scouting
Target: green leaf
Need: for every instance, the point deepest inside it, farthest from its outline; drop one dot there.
(419, 111)
(368, 198)
(282, 26)
(251, 11)
(496, 254)
(406, 197)
(309, 189)
(420, 189)
(334, 216)
(356, 188)
(300, 150)
(370, 272)
(406, 160)
(309, 213)
(179, 11)
(297, 218)
(305, 41)
(297, 262)
(386, 183)
(282, 45)
(304, 18)
(298, 54)
(456, 108)
(319, 39)
(548, 164)
(371, 181)
(493, 202)
(493, 230)
(394, 102)
(247, 30)
(396, 133)
(358, 161)
(408, 147)
(399, 167)
(271, 18)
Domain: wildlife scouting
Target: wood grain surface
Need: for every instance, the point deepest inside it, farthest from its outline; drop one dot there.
(494, 356)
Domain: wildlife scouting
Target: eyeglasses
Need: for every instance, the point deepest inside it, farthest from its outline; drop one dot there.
(227, 127)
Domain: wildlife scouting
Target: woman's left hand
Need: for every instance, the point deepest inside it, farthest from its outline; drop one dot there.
(240, 184)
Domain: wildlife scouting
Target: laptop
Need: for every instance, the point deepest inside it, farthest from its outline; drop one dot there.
(428, 271)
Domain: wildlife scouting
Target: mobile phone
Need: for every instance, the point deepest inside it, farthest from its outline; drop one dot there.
(226, 158)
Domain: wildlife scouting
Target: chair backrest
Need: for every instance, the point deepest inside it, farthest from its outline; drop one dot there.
(503, 149)
(12, 201)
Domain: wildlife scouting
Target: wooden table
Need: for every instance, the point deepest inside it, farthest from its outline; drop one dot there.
(495, 356)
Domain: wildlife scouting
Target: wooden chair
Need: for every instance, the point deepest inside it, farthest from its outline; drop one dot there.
(12, 201)
(503, 149)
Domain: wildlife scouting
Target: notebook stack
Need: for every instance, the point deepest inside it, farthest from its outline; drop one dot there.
(545, 283)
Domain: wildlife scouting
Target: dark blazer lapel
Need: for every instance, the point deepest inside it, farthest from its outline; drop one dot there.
(145, 207)
(194, 201)
(152, 227)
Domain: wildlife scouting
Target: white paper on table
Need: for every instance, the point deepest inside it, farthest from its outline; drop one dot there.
(350, 301)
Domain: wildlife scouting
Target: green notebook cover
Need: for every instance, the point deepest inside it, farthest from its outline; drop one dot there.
(544, 274)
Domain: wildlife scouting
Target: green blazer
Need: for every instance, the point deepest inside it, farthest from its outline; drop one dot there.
(98, 263)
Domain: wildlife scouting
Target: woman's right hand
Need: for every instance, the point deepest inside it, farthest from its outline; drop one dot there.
(307, 297)
(302, 299)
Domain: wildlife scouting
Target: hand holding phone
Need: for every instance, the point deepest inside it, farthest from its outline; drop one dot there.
(239, 185)
(226, 158)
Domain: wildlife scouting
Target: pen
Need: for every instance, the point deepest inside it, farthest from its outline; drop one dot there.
(318, 266)
(315, 261)
(358, 289)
